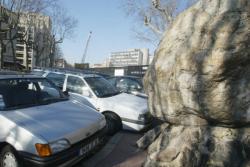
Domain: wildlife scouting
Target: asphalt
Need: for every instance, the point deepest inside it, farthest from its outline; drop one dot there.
(119, 151)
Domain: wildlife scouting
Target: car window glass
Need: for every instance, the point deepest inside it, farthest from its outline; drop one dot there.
(27, 92)
(112, 81)
(45, 87)
(58, 79)
(127, 85)
(75, 84)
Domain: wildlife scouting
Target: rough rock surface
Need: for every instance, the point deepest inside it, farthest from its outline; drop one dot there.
(150, 136)
(199, 82)
(201, 69)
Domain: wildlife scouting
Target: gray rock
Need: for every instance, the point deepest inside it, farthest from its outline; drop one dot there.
(150, 136)
(199, 83)
(200, 72)
(185, 146)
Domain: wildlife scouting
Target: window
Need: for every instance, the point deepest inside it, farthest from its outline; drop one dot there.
(101, 87)
(4, 48)
(19, 61)
(58, 79)
(18, 55)
(3, 35)
(30, 49)
(112, 81)
(75, 84)
(128, 85)
(19, 48)
(27, 92)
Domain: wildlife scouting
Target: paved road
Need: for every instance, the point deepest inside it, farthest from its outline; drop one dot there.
(120, 151)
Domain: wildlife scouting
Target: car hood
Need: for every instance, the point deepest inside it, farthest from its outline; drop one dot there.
(125, 105)
(61, 120)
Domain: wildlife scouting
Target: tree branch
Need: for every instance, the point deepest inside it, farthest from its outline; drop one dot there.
(148, 23)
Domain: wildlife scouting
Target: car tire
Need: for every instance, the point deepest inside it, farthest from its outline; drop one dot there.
(114, 123)
(9, 157)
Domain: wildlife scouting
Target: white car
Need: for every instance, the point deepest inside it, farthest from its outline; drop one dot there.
(122, 110)
(41, 127)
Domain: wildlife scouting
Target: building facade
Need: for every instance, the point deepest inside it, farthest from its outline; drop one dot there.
(132, 57)
(29, 43)
(33, 47)
(6, 49)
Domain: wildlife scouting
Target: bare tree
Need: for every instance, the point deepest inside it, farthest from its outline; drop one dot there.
(45, 38)
(19, 8)
(63, 28)
(58, 52)
(152, 17)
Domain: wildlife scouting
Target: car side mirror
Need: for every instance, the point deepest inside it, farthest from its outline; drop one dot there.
(59, 85)
(66, 93)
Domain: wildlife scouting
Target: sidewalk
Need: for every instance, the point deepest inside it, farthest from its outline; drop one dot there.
(120, 151)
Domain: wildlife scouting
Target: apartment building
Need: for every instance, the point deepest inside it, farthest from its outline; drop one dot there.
(32, 42)
(33, 47)
(132, 57)
(6, 49)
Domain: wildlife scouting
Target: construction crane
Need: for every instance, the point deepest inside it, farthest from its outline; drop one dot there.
(86, 48)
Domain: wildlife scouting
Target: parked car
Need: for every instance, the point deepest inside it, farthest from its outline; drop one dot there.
(41, 127)
(128, 84)
(38, 72)
(122, 111)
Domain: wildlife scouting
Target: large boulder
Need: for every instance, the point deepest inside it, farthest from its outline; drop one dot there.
(199, 83)
(181, 146)
(200, 72)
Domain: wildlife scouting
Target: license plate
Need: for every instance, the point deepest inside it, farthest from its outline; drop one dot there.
(87, 148)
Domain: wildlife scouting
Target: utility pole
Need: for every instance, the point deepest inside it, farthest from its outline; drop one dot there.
(86, 48)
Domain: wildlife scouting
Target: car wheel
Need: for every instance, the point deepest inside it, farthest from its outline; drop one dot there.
(114, 123)
(8, 157)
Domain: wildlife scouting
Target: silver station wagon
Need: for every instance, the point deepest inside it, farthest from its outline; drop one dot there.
(39, 126)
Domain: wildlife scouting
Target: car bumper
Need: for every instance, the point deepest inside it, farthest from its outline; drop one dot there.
(135, 125)
(65, 158)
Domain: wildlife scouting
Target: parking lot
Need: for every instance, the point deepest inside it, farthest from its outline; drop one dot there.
(120, 150)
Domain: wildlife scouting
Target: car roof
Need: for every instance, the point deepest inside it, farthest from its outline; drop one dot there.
(13, 74)
(75, 73)
(125, 76)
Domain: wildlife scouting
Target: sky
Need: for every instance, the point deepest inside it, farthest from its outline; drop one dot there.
(111, 30)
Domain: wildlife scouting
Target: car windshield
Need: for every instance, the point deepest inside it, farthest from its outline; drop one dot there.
(27, 92)
(139, 81)
(101, 87)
